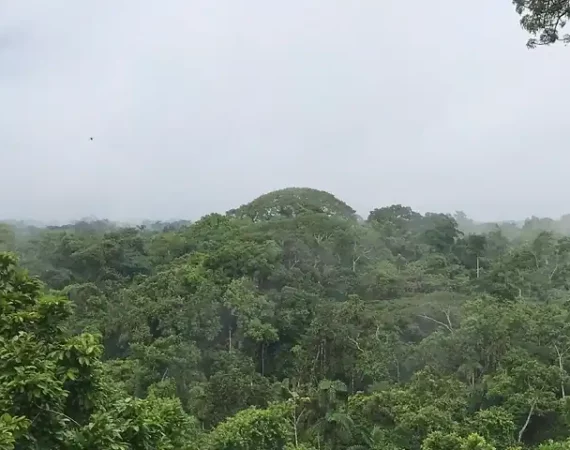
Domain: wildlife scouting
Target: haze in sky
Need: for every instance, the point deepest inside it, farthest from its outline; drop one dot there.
(199, 106)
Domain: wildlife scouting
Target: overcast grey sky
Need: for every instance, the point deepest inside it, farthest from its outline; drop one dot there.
(201, 105)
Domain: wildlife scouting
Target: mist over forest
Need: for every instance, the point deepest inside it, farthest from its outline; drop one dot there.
(295, 320)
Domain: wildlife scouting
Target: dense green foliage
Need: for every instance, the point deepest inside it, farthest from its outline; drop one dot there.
(287, 323)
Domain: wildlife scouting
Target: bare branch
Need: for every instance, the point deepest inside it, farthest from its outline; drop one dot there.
(553, 272)
(59, 414)
(528, 417)
(356, 344)
(295, 261)
(448, 320)
(445, 325)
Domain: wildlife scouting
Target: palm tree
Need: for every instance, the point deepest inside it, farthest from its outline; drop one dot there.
(332, 426)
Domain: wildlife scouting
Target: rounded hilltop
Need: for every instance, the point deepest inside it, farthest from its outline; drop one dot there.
(293, 202)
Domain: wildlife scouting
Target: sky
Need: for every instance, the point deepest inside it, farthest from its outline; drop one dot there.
(200, 106)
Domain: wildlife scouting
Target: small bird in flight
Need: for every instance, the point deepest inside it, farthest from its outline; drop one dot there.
(90, 138)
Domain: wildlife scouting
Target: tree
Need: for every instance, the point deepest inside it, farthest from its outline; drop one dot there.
(544, 20)
(259, 429)
(292, 202)
(53, 391)
(7, 237)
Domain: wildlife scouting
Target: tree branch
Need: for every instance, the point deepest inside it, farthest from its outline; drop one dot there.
(553, 272)
(523, 429)
(59, 414)
(560, 365)
(448, 320)
(356, 344)
(445, 325)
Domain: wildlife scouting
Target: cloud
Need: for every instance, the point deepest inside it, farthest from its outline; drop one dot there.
(200, 106)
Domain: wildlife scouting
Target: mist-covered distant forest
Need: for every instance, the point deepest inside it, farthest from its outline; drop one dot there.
(290, 322)
(287, 323)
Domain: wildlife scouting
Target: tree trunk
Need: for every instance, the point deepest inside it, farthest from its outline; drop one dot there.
(561, 366)
(230, 341)
(523, 429)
